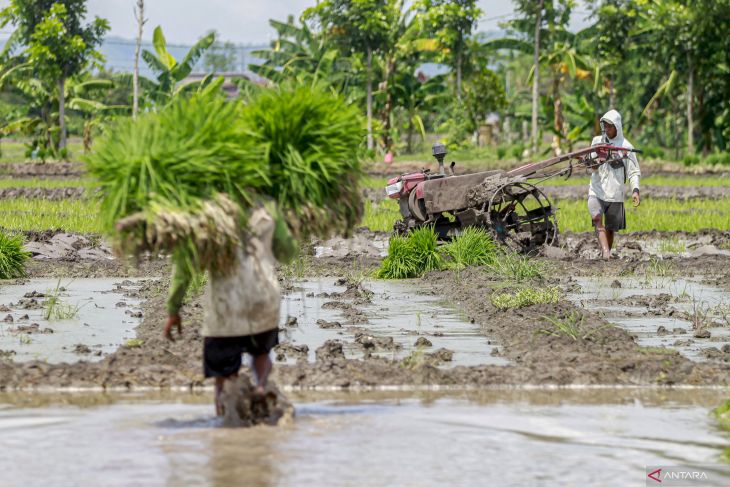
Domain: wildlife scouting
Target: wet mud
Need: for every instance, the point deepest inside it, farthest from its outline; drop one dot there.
(42, 169)
(55, 194)
(358, 354)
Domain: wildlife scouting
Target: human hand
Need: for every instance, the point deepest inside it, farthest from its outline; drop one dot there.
(635, 198)
(172, 321)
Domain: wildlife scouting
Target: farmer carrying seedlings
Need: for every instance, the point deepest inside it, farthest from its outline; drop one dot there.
(606, 190)
(242, 304)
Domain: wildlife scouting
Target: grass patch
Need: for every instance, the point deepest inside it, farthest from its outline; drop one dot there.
(679, 180)
(526, 297)
(657, 350)
(722, 413)
(571, 326)
(12, 256)
(133, 343)
(380, 217)
(672, 246)
(411, 256)
(47, 183)
(12, 151)
(55, 309)
(516, 267)
(474, 246)
(666, 215)
(80, 215)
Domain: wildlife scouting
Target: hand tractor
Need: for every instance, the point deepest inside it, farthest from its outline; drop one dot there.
(516, 212)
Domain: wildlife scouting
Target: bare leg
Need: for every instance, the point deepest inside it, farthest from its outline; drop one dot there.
(219, 384)
(262, 367)
(602, 236)
(609, 236)
(218, 390)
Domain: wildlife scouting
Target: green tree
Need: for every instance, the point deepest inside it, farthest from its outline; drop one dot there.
(360, 27)
(55, 41)
(483, 94)
(220, 57)
(451, 22)
(168, 70)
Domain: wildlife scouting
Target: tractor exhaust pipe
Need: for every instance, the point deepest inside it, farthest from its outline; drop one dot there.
(439, 152)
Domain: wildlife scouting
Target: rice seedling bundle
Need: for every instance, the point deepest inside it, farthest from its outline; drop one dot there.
(474, 246)
(311, 140)
(411, 256)
(12, 256)
(181, 180)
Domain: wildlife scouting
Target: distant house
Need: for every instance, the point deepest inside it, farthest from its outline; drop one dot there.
(230, 87)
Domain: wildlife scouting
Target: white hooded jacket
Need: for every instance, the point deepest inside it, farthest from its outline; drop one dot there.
(607, 183)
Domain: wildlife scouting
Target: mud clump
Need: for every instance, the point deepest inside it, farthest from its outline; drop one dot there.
(423, 342)
(441, 355)
(298, 352)
(31, 329)
(8, 319)
(82, 349)
(702, 334)
(324, 324)
(370, 342)
(7, 354)
(243, 408)
(291, 322)
(331, 350)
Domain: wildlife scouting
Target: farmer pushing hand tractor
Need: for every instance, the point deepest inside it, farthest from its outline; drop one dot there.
(606, 190)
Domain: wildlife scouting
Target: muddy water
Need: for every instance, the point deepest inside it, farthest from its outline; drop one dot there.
(596, 437)
(105, 319)
(684, 302)
(397, 310)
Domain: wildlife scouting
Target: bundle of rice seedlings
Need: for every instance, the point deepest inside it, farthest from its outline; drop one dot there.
(311, 139)
(474, 246)
(205, 237)
(411, 256)
(163, 175)
(424, 244)
(12, 256)
(401, 262)
(186, 153)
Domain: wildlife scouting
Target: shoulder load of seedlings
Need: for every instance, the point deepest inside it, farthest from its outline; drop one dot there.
(182, 180)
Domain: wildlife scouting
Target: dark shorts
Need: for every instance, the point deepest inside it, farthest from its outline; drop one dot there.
(222, 355)
(613, 213)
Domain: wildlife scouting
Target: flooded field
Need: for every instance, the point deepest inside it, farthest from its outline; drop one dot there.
(392, 320)
(501, 437)
(67, 320)
(679, 314)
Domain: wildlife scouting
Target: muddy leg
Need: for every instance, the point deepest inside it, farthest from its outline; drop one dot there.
(609, 237)
(602, 236)
(218, 390)
(219, 384)
(262, 367)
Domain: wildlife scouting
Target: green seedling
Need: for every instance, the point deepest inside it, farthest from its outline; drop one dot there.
(133, 343)
(55, 309)
(526, 297)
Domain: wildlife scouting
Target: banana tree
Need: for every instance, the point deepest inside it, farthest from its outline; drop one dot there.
(169, 72)
(39, 122)
(566, 64)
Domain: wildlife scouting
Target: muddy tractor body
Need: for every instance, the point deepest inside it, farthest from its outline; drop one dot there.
(509, 204)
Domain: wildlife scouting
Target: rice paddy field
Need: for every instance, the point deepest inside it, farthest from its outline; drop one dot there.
(403, 332)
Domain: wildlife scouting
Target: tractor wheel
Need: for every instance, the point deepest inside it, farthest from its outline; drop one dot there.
(521, 217)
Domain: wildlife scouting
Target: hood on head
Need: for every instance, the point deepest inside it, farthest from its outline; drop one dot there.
(614, 117)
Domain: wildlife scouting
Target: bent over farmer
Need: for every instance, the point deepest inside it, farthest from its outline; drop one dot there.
(241, 305)
(607, 187)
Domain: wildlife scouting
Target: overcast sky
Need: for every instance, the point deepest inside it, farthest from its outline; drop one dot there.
(240, 21)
